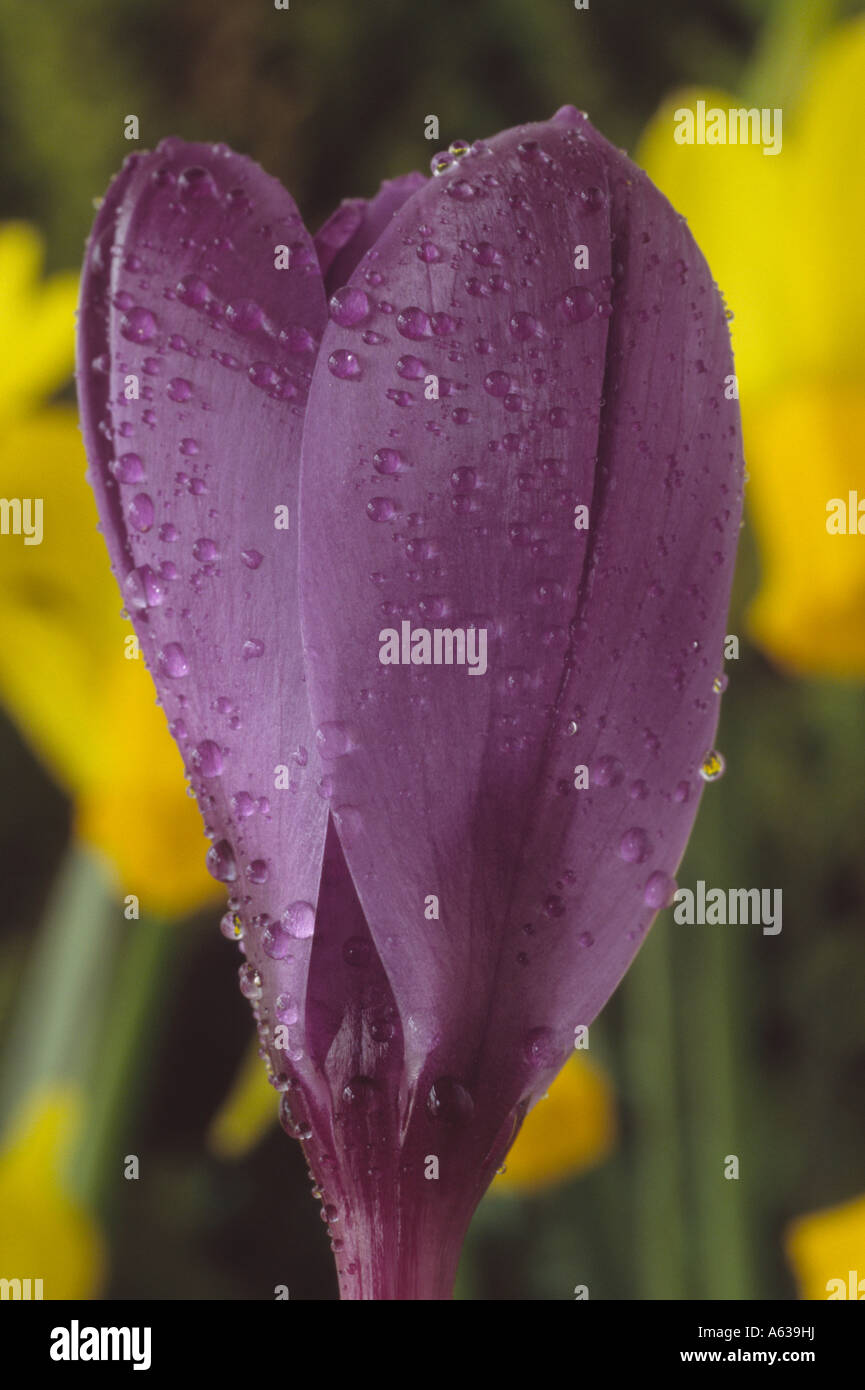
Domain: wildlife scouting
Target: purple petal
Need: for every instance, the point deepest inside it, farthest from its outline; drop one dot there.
(356, 225)
(558, 387)
(184, 307)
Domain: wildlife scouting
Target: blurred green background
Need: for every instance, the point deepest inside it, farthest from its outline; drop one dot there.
(130, 1035)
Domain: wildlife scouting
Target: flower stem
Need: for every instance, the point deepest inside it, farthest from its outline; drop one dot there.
(126, 1047)
(650, 1059)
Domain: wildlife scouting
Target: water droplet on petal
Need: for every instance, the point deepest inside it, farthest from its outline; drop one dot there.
(449, 1102)
(344, 365)
(207, 758)
(143, 588)
(539, 1048)
(299, 920)
(140, 512)
(221, 863)
(659, 890)
(129, 468)
(333, 739)
(276, 942)
(414, 323)
(231, 927)
(712, 766)
(138, 326)
(172, 661)
(349, 306)
(634, 846)
(250, 981)
(381, 509)
(285, 1009)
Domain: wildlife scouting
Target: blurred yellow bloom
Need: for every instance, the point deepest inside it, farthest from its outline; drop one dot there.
(828, 1246)
(36, 323)
(572, 1130)
(44, 1233)
(89, 712)
(248, 1111)
(782, 234)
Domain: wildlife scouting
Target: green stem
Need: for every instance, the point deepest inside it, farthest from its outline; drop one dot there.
(126, 1048)
(712, 976)
(53, 1030)
(650, 1060)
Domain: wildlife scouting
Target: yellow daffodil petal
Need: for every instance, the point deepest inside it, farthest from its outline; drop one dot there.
(37, 323)
(735, 199)
(88, 711)
(572, 1130)
(827, 323)
(134, 810)
(805, 448)
(826, 1246)
(44, 1233)
(248, 1111)
(59, 605)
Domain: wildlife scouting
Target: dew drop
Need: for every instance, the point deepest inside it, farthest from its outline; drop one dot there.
(449, 1102)
(221, 863)
(140, 511)
(172, 661)
(143, 588)
(539, 1048)
(388, 461)
(231, 926)
(138, 326)
(524, 326)
(634, 846)
(333, 739)
(410, 368)
(207, 758)
(179, 389)
(659, 890)
(607, 772)
(276, 942)
(381, 509)
(349, 306)
(258, 871)
(414, 323)
(250, 981)
(129, 468)
(712, 766)
(299, 920)
(285, 1009)
(578, 304)
(344, 365)
(497, 384)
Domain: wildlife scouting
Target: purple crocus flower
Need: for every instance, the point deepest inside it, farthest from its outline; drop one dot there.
(427, 529)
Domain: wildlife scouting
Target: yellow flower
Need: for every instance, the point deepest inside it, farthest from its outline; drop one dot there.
(36, 322)
(44, 1233)
(827, 1247)
(782, 234)
(572, 1130)
(88, 711)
